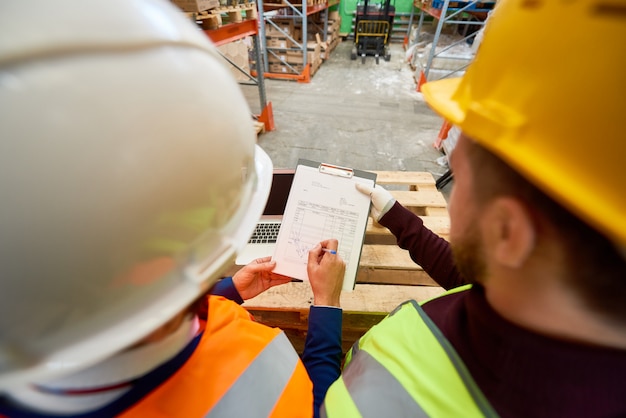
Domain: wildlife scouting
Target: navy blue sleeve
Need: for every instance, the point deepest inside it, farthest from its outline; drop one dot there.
(226, 288)
(322, 351)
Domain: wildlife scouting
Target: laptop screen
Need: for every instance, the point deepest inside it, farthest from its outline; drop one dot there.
(279, 192)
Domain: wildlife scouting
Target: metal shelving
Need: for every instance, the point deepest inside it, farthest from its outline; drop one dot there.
(232, 32)
(297, 13)
(466, 13)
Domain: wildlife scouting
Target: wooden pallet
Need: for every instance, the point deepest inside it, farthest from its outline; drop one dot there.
(216, 18)
(386, 277)
(287, 307)
(259, 127)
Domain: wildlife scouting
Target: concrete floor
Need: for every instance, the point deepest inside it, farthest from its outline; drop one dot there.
(365, 116)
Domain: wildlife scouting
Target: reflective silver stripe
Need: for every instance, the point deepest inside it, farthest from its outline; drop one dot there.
(258, 389)
(365, 375)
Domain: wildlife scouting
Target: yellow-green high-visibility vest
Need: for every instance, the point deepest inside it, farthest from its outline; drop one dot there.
(405, 367)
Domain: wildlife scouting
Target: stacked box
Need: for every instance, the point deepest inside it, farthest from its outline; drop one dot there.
(287, 58)
(277, 37)
(294, 56)
(314, 56)
(284, 69)
(316, 28)
(285, 26)
(278, 43)
(237, 52)
(277, 56)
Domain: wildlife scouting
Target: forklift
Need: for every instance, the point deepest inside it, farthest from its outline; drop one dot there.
(372, 30)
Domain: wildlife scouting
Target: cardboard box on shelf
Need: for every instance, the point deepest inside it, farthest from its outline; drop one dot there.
(281, 43)
(196, 5)
(276, 56)
(285, 69)
(279, 28)
(334, 25)
(297, 33)
(314, 49)
(296, 57)
(237, 52)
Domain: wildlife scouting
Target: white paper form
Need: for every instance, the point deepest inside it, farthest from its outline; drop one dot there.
(323, 203)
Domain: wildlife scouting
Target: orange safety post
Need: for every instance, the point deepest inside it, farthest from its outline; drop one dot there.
(267, 117)
(305, 77)
(422, 80)
(443, 134)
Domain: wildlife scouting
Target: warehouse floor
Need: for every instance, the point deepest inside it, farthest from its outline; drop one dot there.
(366, 116)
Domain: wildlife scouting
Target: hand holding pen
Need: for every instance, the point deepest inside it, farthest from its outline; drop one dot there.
(326, 270)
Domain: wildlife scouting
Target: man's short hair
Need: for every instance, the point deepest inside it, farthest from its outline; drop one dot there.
(594, 266)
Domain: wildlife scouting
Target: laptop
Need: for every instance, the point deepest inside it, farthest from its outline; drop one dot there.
(263, 239)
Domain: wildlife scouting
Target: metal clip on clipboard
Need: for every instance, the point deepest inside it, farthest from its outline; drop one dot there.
(336, 170)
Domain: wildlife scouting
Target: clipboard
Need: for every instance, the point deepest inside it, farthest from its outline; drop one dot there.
(323, 203)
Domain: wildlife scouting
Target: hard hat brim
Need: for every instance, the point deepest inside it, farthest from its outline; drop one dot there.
(264, 168)
(440, 97)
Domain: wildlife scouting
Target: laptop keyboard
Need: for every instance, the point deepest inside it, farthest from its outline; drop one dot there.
(265, 233)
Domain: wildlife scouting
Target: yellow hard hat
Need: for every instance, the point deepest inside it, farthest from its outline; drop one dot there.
(547, 93)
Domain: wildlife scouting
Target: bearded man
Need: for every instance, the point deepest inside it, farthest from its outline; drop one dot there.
(534, 320)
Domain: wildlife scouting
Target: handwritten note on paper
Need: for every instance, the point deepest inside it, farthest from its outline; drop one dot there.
(323, 205)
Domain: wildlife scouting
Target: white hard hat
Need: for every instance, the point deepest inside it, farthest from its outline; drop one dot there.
(129, 177)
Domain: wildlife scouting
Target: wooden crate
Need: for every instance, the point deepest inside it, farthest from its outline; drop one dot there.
(386, 277)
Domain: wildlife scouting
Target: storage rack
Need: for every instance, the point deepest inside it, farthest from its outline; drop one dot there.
(232, 32)
(270, 12)
(465, 13)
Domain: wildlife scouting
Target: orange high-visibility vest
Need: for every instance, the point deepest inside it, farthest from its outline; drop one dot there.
(240, 369)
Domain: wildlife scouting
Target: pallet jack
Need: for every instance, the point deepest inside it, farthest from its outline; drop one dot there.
(372, 30)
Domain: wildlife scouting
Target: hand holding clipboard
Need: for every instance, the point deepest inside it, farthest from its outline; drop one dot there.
(323, 204)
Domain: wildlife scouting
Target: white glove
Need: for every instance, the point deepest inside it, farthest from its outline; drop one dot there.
(382, 200)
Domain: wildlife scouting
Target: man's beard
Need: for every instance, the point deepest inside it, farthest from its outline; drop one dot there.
(469, 255)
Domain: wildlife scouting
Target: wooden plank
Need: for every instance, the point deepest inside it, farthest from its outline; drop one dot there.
(390, 264)
(390, 257)
(259, 127)
(432, 211)
(368, 275)
(418, 179)
(287, 307)
(420, 199)
(365, 298)
(376, 267)
(375, 233)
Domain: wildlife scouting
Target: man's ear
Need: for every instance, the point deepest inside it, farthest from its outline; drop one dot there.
(509, 231)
